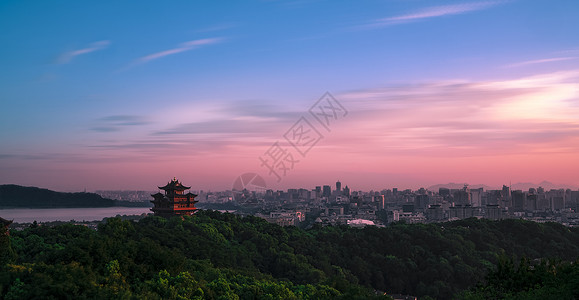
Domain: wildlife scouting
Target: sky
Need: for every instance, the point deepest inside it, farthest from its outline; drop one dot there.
(377, 94)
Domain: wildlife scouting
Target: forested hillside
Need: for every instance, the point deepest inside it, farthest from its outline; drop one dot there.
(213, 255)
(13, 196)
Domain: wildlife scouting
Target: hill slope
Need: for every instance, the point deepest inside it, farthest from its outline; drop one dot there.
(16, 196)
(223, 255)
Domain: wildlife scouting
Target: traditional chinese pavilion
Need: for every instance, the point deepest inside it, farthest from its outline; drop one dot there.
(174, 202)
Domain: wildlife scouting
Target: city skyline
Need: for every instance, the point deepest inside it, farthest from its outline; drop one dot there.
(109, 95)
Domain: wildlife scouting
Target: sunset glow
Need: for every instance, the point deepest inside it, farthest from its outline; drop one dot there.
(484, 92)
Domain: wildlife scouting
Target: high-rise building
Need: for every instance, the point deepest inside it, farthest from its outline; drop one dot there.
(506, 197)
(476, 197)
(269, 195)
(518, 200)
(421, 201)
(338, 186)
(574, 200)
(303, 194)
(347, 191)
(557, 199)
(493, 197)
(379, 201)
(531, 204)
(408, 207)
(435, 213)
(493, 212)
(558, 203)
(460, 211)
(293, 194)
(543, 203)
(462, 196)
(318, 191)
(326, 191)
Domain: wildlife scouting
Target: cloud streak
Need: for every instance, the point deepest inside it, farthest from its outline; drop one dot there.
(431, 12)
(187, 46)
(232, 119)
(540, 61)
(118, 122)
(536, 114)
(68, 56)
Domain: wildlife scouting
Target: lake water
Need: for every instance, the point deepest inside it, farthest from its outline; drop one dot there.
(27, 215)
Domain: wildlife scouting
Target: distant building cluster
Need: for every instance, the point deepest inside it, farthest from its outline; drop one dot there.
(130, 196)
(337, 205)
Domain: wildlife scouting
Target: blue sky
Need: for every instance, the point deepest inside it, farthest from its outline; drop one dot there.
(91, 92)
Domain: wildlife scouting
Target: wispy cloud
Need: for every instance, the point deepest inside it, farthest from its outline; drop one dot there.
(229, 128)
(540, 61)
(39, 156)
(431, 12)
(572, 51)
(536, 114)
(68, 56)
(231, 120)
(219, 27)
(187, 46)
(117, 122)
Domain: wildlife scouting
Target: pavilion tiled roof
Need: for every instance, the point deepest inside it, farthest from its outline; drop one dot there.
(174, 185)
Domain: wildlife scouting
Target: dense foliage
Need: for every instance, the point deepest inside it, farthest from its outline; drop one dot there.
(545, 279)
(214, 255)
(11, 196)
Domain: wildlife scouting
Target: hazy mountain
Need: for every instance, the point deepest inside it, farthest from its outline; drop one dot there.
(32, 197)
(453, 185)
(515, 186)
(544, 184)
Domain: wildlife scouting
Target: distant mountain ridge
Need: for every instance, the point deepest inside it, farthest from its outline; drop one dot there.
(16, 196)
(544, 184)
(454, 185)
(515, 186)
